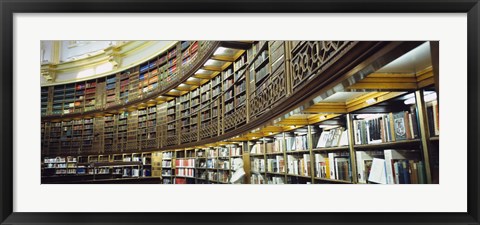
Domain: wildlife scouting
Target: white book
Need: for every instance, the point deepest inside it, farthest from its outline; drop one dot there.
(290, 164)
(290, 142)
(356, 132)
(322, 141)
(412, 134)
(337, 134)
(390, 155)
(279, 160)
(318, 169)
(377, 172)
(306, 162)
(331, 161)
(361, 157)
(254, 149)
(343, 138)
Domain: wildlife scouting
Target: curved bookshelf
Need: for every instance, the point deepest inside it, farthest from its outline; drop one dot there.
(238, 104)
(184, 71)
(130, 132)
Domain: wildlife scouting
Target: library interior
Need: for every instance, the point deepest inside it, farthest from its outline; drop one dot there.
(239, 112)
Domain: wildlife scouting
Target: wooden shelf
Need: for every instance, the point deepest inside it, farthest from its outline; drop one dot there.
(341, 148)
(332, 180)
(388, 144)
(275, 173)
(294, 175)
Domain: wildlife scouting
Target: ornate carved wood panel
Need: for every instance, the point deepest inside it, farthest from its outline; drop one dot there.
(311, 58)
(271, 92)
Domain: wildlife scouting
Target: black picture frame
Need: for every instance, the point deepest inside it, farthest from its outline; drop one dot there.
(9, 7)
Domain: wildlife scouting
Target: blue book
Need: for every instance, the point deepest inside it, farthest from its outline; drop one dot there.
(401, 177)
(406, 172)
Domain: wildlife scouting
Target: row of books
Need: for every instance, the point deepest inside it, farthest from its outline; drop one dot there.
(185, 162)
(187, 172)
(276, 164)
(379, 128)
(276, 180)
(333, 165)
(393, 167)
(298, 165)
(220, 176)
(333, 138)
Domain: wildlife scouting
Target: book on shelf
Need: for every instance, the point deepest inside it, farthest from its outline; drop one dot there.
(364, 165)
(185, 172)
(298, 165)
(380, 128)
(276, 180)
(404, 171)
(433, 118)
(322, 166)
(223, 152)
(378, 171)
(272, 165)
(391, 157)
(335, 137)
(257, 148)
(258, 165)
(256, 179)
(297, 143)
(235, 151)
(342, 168)
(339, 165)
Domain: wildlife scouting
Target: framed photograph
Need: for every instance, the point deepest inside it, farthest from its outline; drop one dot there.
(200, 112)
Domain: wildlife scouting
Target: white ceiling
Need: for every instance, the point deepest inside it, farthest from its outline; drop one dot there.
(411, 62)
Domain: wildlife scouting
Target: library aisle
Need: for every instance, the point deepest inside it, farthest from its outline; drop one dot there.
(246, 112)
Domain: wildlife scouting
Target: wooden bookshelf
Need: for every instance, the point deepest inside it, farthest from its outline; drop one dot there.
(131, 112)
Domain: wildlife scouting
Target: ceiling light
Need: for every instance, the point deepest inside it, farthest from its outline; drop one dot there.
(371, 101)
(191, 79)
(220, 51)
(200, 71)
(209, 62)
(327, 126)
(428, 96)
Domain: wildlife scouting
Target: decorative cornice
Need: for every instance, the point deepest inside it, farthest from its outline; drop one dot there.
(48, 71)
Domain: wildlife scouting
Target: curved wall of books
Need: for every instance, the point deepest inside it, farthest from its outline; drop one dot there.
(294, 112)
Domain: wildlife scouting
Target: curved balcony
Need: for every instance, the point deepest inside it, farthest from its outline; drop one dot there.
(303, 71)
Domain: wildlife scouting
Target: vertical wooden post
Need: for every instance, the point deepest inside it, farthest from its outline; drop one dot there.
(353, 156)
(434, 54)
(288, 66)
(246, 161)
(310, 149)
(284, 143)
(424, 132)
